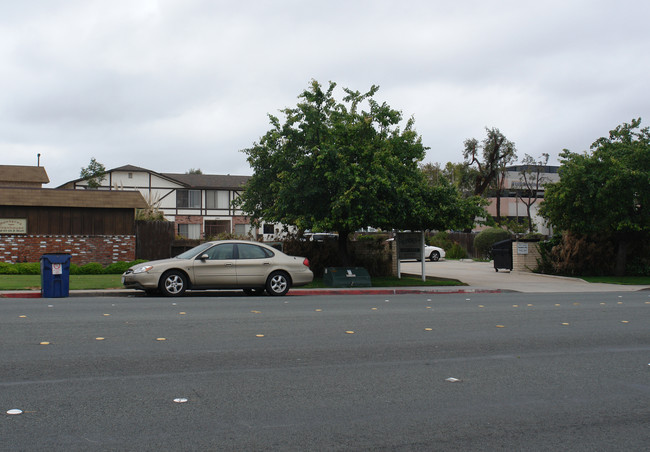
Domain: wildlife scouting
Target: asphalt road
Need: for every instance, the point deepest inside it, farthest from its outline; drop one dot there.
(535, 372)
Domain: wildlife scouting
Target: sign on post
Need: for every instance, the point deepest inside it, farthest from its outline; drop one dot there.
(410, 245)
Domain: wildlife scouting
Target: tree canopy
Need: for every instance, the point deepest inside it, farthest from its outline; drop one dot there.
(334, 166)
(605, 191)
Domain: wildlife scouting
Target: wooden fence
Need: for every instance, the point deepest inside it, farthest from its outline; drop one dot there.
(154, 239)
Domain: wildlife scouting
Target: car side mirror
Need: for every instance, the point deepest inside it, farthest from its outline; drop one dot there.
(204, 257)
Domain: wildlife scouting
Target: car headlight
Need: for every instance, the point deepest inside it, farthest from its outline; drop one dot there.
(144, 268)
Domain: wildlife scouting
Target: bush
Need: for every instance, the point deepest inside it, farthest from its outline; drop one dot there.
(441, 240)
(577, 255)
(485, 239)
(8, 269)
(117, 268)
(93, 268)
(456, 252)
(28, 268)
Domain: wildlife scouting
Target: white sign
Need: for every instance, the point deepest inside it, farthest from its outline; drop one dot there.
(522, 248)
(13, 225)
(57, 269)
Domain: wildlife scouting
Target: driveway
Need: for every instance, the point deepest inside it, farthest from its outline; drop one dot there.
(481, 275)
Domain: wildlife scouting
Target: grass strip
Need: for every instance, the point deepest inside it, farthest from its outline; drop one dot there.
(99, 282)
(77, 282)
(623, 280)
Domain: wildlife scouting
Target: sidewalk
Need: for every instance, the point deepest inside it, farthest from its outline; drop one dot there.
(480, 277)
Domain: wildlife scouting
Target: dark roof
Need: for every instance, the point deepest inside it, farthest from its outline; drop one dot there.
(131, 168)
(48, 197)
(10, 174)
(213, 181)
(199, 181)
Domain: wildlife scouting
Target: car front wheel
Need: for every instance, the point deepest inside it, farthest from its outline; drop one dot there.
(173, 284)
(278, 283)
(434, 256)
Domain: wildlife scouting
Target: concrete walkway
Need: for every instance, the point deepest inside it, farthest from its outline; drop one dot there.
(482, 275)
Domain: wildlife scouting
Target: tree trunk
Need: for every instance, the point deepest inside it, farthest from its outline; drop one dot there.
(621, 257)
(343, 248)
(498, 206)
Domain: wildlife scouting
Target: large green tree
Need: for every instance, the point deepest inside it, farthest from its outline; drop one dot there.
(605, 192)
(342, 165)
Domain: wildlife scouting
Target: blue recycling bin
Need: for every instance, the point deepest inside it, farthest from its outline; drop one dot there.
(55, 275)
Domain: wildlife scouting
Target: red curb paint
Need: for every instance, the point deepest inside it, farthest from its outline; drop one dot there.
(21, 295)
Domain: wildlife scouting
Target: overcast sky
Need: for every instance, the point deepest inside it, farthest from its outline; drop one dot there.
(171, 85)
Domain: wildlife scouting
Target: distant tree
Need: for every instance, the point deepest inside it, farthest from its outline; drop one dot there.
(461, 175)
(465, 209)
(93, 174)
(194, 171)
(605, 192)
(532, 178)
(331, 166)
(490, 158)
(432, 172)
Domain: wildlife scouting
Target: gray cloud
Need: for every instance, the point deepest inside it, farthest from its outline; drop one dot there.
(178, 84)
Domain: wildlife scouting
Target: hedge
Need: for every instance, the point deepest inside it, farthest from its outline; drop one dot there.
(93, 268)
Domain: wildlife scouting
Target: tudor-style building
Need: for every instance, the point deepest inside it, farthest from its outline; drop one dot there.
(200, 205)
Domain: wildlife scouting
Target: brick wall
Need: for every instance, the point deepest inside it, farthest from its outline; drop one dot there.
(189, 219)
(525, 262)
(105, 249)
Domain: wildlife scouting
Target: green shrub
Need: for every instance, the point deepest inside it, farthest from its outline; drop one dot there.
(93, 268)
(75, 269)
(456, 252)
(8, 269)
(485, 239)
(28, 268)
(117, 268)
(441, 239)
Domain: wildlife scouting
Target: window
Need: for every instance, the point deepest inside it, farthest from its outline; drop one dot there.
(242, 230)
(190, 231)
(215, 227)
(268, 228)
(217, 199)
(221, 252)
(188, 198)
(253, 252)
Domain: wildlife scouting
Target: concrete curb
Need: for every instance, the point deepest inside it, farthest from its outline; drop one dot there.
(442, 290)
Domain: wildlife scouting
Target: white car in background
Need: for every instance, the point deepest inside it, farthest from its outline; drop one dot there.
(433, 253)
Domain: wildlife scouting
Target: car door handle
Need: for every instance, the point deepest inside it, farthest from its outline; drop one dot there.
(267, 263)
(229, 264)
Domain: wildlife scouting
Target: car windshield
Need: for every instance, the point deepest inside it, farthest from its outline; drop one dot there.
(189, 254)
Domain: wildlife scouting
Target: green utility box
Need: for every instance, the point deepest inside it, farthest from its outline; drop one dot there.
(346, 277)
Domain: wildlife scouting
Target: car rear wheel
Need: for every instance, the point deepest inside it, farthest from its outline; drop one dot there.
(434, 256)
(173, 284)
(278, 283)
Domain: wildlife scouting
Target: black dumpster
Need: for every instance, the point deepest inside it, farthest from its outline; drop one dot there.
(55, 275)
(346, 277)
(502, 255)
